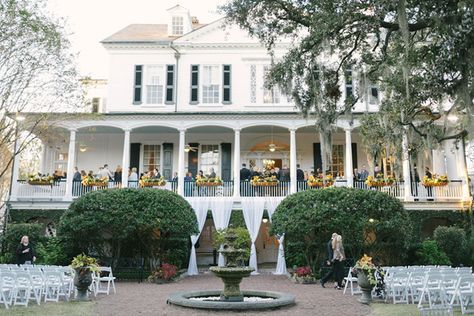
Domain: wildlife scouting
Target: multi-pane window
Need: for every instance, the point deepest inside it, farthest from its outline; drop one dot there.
(177, 25)
(373, 94)
(270, 95)
(349, 83)
(154, 84)
(210, 84)
(253, 83)
(95, 105)
(151, 157)
(337, 166)
(210, 158)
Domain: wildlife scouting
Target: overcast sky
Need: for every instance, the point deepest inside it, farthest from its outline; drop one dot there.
(90, 21)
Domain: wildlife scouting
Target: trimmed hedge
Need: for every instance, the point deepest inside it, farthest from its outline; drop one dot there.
(150, 223)
(369, 221)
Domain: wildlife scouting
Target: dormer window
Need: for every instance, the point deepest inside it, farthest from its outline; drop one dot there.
(177, 25)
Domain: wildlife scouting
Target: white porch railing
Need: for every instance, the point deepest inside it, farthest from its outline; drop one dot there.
(450, 192)
(56, 190)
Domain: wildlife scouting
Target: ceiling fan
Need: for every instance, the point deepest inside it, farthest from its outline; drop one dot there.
(188, 148)
(272, 147)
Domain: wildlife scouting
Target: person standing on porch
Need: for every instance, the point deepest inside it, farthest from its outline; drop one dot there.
(329, 260)
(244, 173)
(429, 175)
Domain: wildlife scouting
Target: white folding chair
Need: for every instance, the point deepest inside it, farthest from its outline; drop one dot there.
(37, 285)
(464, 294)
(22, 288)
(433, 289)
(350, 280)
(52, 286)
(7, 288)
(397, 287)
(105, 276)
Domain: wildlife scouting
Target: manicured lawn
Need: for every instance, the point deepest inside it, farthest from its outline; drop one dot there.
(381, 309)
(50, 309)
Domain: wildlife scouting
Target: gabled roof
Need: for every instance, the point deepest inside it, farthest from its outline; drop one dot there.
(144, 33)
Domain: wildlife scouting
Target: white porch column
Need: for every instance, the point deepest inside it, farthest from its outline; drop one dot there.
(44, 155)
(125, 158)
(181, 162)
(71, 159)
(462, 170)
(236, 162)
(292, 160)
(406, 168)
(15, 169)
(348, 166)
(439, 167)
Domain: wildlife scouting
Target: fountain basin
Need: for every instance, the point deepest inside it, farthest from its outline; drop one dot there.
(185, 299)
(232, 276)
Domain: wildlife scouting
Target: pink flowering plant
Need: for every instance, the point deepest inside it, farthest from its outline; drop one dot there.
(304, 275)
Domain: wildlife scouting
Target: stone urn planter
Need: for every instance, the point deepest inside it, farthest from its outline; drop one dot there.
(365, 286)
(84, 267)
(82, 281)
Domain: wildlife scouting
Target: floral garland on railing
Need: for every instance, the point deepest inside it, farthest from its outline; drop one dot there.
(262, 181)
(379, 181)
(147, 181)
(435, 181)
(91, 181)
(38, 179)
(327, 181)
(208, 182)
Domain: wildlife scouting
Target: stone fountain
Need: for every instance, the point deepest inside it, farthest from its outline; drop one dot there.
(232, 298)
(232, 273)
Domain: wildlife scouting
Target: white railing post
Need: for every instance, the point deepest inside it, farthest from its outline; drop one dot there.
(70, 164)
(181, 162)
(406, 169)
(236, 162)
(348, 165)
(292, 160)
(125, 158)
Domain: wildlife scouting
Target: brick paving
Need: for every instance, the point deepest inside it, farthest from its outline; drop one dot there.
(150, 299)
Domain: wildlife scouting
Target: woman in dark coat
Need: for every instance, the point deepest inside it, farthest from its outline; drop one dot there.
(25, 252)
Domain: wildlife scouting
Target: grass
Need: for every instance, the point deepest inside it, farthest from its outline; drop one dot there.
(384, 309)
(51, 309)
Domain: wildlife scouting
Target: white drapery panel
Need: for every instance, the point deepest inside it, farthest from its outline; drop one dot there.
(253, 213)
(271, 205)
(200, 207)
(221, 211)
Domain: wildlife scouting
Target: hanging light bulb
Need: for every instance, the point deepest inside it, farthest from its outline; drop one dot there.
(272, 147)
(187, 148)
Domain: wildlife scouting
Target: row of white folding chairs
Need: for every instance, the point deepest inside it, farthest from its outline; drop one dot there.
(415, 286)
(20, 286)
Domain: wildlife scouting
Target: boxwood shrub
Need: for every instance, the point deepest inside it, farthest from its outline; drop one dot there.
(370, 222)
(149, 223)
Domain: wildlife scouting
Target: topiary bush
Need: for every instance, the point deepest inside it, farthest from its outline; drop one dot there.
(14, 232)
(149, 223)
(453, 241)
(369, 221)
(430, 254)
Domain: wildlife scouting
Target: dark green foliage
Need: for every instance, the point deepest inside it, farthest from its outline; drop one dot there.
(12, 237)
(453, 242)
(241, 242)
(430, 254)
(154, 224)
(309, 218)
(237, 219)
(52, 252)
(22, 216)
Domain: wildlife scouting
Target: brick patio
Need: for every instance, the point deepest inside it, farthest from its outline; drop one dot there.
(150, 299)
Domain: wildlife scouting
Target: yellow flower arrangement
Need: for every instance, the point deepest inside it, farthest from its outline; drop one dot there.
(262, 181)
(37, 179)
(147, 181)
(435, 181)
(90, 181)
(208, 182)
(365, 265)
(320, 182)
(380, 181)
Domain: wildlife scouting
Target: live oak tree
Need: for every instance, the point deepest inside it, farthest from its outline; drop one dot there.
(37, 75)
(419, 53)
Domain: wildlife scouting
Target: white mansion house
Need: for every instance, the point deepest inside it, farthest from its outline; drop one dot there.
(183, 97)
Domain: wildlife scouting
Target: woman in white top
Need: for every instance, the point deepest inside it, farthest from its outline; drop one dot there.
(133, 178)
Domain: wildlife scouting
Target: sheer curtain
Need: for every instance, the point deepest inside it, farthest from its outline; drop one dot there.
(253, 213)
(272, 204)
(221, 211)
(200, 207)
